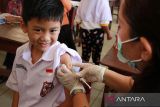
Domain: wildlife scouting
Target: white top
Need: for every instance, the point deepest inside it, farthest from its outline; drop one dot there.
(93, 13)
(36, 83)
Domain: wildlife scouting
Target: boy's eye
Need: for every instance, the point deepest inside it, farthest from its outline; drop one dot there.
(37, 30)
(53, 30)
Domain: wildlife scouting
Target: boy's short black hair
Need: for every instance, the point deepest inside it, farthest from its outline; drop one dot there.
(42, 9)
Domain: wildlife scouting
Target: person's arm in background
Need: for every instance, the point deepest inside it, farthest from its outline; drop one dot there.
(106, 17)
(13, 18)
(15, 99)
(105, 27)
(67, 5)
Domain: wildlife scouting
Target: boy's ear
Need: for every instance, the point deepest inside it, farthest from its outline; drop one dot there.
(24, 27)
(146, 49)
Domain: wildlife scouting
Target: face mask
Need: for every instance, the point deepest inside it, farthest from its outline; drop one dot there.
(120, 56)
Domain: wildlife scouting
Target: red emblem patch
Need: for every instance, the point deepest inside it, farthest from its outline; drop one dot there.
(49, 70)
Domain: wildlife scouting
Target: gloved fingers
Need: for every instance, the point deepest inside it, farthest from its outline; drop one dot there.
(60, 70)
(60, 73)
(91, 79)
(81, 65)
(65, 69)
(82, 73)
(69, 65)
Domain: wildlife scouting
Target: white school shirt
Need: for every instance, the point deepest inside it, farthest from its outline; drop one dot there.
(36, 83)
(93, 13)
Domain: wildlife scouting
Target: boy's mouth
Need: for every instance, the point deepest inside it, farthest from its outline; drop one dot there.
(44, 44)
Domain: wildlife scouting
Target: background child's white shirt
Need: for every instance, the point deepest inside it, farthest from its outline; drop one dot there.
(93, 12)
(31, 80)
(89, 25)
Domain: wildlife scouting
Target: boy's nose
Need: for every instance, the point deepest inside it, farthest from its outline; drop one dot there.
(46, 37)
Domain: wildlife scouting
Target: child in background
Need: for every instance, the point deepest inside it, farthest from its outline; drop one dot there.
(33, 78)
(94, 17)
(65, 35)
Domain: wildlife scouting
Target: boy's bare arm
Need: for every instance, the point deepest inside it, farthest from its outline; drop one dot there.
(66, 59)
(15, 99)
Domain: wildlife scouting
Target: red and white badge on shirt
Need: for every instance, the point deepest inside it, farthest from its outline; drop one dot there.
(49, 71)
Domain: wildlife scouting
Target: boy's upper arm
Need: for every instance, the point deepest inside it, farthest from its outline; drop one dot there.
(72, 56)
(66, 59)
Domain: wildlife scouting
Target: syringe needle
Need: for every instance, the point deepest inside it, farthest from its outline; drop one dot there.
(82, 80)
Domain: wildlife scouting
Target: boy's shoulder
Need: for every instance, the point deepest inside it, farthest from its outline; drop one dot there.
(64, 47)
(22, 48)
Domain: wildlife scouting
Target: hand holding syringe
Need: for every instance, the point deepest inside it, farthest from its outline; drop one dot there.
(82, 80)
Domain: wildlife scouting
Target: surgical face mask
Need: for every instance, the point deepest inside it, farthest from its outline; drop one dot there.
(120, 56)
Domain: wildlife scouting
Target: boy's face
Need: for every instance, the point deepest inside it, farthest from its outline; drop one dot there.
(42, 33)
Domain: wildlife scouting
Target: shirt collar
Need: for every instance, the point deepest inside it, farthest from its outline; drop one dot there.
(47, 55)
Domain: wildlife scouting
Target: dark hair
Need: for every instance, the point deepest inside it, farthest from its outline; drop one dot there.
(42, 9)
(143, 17)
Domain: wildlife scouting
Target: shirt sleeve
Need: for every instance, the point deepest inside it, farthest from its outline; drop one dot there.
(105, 14)
(12, 82)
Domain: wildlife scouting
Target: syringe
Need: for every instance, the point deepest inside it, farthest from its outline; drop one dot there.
(83, 80)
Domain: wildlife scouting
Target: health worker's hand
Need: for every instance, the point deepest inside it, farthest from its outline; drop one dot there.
(91, 72)
(69, 79)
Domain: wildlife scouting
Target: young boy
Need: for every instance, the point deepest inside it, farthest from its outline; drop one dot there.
(33, 75)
